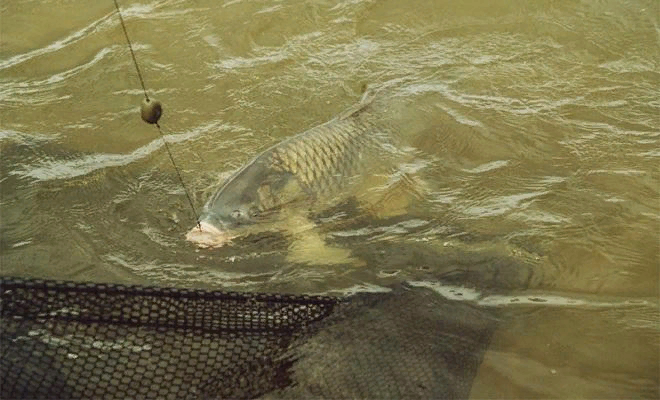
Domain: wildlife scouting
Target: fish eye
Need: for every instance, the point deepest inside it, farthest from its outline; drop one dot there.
(236, 214)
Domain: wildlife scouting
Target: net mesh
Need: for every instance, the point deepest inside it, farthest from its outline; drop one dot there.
(77, 340)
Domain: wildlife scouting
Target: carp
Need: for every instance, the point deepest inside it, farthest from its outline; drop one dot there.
(309, 171)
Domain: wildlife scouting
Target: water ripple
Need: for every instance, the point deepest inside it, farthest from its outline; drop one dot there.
(65, 169)
(15, 91)
(56, 45)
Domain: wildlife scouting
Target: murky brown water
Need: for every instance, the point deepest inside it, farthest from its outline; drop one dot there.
(540, 125)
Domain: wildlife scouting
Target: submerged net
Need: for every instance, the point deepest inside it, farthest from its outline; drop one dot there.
(76, 340)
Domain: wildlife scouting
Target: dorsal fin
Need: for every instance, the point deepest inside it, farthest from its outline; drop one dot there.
(365, 101)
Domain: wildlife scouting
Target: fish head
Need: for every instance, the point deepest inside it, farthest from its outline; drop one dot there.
(251, 197)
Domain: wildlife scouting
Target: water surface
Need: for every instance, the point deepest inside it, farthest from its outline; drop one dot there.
(539, 145)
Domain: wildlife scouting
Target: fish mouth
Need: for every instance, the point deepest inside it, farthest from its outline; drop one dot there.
(206, 235)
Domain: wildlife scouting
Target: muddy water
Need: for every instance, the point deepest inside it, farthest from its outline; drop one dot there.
(538, 129)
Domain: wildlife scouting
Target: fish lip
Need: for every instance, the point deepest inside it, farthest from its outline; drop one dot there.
(207, 235)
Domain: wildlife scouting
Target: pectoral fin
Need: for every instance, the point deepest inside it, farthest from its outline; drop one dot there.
(308, 245)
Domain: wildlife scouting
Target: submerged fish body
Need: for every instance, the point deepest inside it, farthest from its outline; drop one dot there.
(315, 167)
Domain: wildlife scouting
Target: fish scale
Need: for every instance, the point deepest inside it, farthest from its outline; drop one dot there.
(323, 157)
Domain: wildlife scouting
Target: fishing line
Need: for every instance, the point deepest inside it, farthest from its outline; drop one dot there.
(151, 111)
